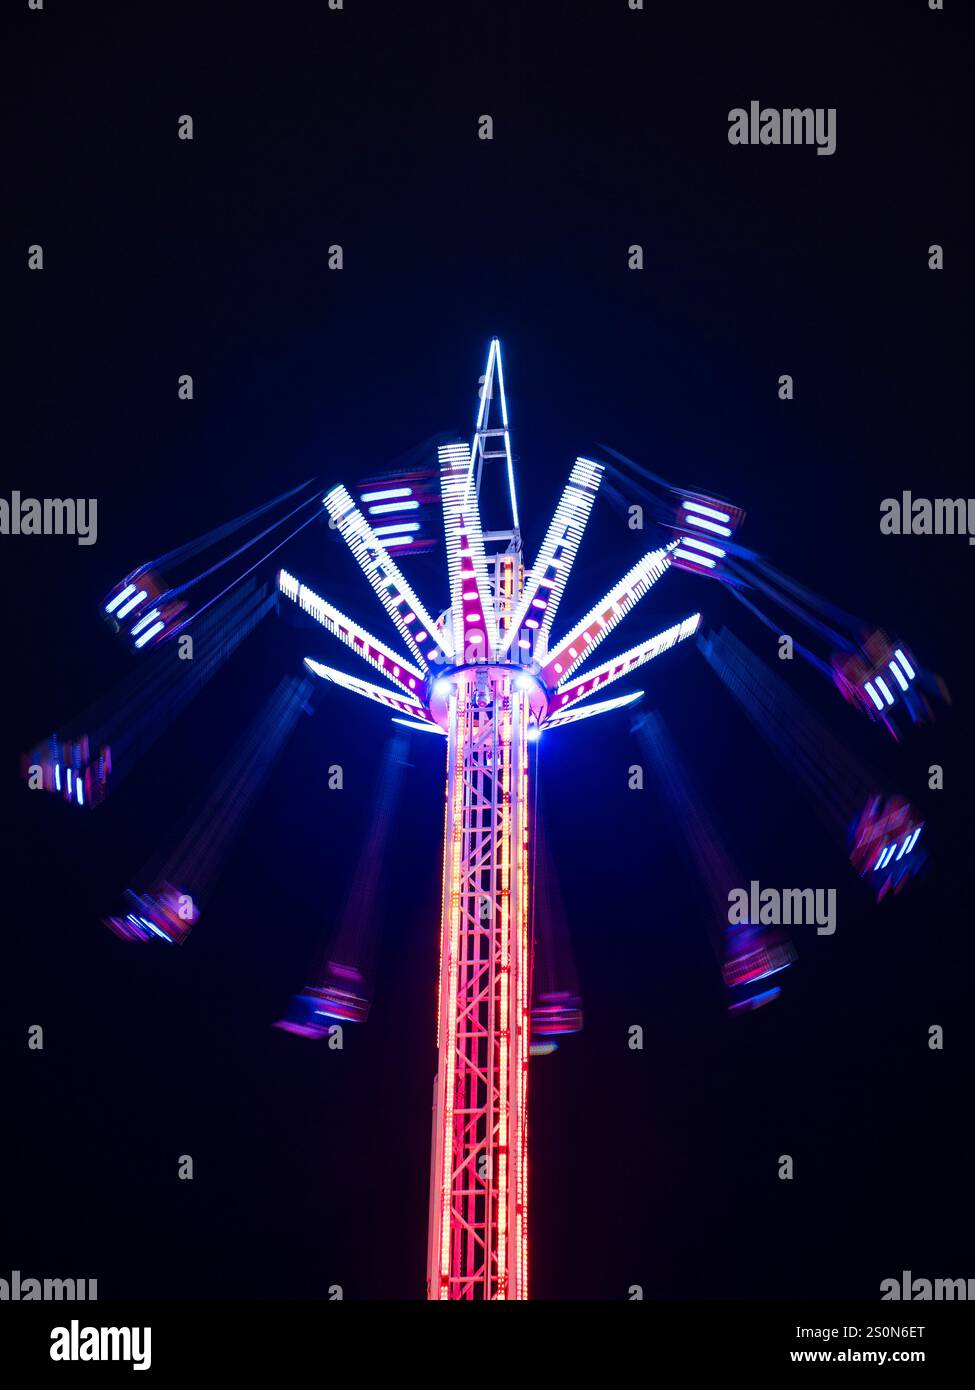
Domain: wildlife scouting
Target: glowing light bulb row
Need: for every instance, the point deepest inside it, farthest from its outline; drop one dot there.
(572, 716)
(392, 699)
(409, 616)
(619, 666)
(600, 621)
(371, 649)
(553, 564)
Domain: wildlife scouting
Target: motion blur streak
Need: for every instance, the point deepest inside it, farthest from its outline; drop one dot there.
(102, 745)
(747, 953)
(838, 784)
(340, 984)
(846, 794)
(172, 904)
(149, 600)
(556, 1002)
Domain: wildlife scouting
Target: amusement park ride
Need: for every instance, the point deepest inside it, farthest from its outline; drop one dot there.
(488, 675)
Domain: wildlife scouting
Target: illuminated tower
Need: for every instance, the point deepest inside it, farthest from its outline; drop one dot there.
(487, 674)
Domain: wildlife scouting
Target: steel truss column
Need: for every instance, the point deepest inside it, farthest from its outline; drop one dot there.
(479, 1180)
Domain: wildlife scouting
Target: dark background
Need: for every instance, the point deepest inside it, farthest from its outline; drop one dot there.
(163, 257)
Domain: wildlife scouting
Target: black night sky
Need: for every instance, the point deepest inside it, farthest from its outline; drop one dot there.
(163, 257)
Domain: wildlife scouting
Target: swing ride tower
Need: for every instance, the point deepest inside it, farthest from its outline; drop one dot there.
(487, 675)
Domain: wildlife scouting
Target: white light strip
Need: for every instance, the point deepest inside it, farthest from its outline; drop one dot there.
(705, 511)
(422, 728)
(695, 559)
(114, 603)
(386, 578)
(126, 608)
(873, 695)
(370, 648)
(619, 666)
(898, 674)
(908, 668)
(387, 493)
(572, 716)
(143, 622)
(486, 389)
(573, 649)
(495, 370)
(563, 535)
(392, 699)
(708, 549)
(146, 636)
(708, 525)
(507, 438)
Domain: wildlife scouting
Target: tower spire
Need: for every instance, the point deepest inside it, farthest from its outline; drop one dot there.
(492, 440)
